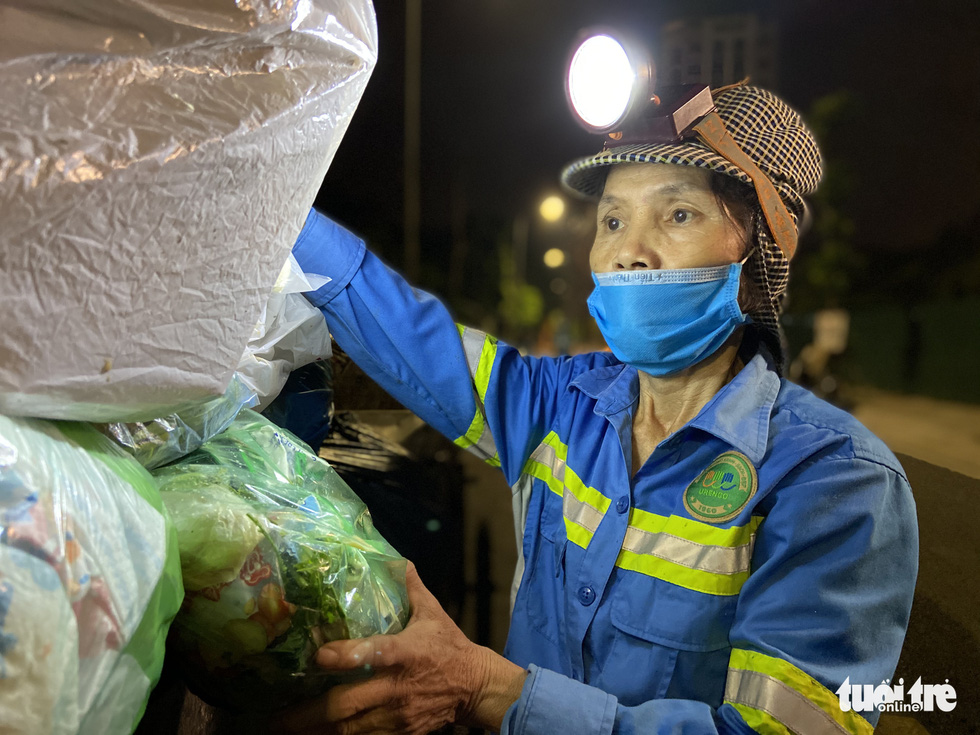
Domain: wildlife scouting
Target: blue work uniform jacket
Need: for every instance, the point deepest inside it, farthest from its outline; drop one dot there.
(764, 553)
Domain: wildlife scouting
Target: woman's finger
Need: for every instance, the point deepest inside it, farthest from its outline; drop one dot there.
(378, 651)
(339, 704)
(375, 722)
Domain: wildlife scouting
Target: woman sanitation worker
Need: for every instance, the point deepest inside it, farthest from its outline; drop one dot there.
(705, 547)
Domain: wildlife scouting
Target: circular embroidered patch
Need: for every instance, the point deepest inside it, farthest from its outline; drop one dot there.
(720, 492)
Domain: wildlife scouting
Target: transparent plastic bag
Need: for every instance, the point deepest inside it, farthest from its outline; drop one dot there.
(157, 442)
(278, 557)
(89, 581)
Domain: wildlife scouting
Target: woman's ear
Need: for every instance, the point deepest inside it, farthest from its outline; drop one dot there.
(751, 298)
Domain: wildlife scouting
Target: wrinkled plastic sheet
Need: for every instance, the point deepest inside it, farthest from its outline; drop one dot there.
(290, 334)
(278, 557)
(157, 161)
(89, 581)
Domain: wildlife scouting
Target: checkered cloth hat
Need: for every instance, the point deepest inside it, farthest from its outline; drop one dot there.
(775, 138)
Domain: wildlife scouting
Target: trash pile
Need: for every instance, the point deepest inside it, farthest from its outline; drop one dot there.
(157, 161)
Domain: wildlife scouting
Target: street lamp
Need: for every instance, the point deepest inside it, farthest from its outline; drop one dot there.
(552, 209)
(554, 257)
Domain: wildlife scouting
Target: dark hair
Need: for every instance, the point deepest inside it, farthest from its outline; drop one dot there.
(737, 200)
(740, 204)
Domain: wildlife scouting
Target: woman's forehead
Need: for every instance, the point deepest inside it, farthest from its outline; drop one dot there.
(665, 177)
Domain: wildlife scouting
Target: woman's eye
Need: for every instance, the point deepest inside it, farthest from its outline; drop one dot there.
(680, 216)
(613, 224)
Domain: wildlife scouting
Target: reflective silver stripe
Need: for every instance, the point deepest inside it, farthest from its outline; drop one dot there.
(781, 702)
(714, 559)
(473, 342)
(473, 347)
(581, 513)
(520, 498)
(546, 455)
(571, 507)
(485, 446)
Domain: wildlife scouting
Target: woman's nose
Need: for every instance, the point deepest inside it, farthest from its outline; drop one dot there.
(636, 253)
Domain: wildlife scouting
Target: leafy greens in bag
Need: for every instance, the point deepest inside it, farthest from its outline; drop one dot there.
(278, 557)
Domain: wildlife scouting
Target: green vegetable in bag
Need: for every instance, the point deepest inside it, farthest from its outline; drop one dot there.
(278, 556)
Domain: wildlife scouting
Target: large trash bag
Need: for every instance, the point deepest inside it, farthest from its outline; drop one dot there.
(158, 159)
(89, 581)
(278, 557)
(282, 361)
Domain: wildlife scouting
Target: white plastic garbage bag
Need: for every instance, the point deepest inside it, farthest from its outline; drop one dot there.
(89, 581)
(157, 161)
(289, 334)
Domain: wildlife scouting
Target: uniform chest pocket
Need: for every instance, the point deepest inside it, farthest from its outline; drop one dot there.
(542, 590)
(544, 597)
(670, 615)
(653, 622)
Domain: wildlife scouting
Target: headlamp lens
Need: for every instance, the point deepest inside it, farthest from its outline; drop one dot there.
(600, 81)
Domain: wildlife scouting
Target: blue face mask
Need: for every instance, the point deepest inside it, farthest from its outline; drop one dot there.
(662, 321)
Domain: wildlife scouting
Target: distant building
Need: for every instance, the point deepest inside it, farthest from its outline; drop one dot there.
(718, 50)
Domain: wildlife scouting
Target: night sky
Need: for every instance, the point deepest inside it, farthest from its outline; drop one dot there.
(496, 130)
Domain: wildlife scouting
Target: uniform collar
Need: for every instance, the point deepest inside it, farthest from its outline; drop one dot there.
(614, 387)
(738, 414)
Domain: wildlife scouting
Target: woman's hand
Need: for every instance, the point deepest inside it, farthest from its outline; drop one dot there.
(428, 675)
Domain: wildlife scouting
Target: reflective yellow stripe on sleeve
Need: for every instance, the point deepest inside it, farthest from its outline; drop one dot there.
(481, 351)
(488, 353)
(774, 696)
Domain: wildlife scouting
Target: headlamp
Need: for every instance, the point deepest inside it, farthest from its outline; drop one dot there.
(610, 86)
(604, 83)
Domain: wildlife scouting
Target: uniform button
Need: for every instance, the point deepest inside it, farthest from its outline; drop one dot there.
(623, 504)
(586, 595)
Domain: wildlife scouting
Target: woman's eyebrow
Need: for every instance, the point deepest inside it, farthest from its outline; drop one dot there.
(683, 187)
(668, 189)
